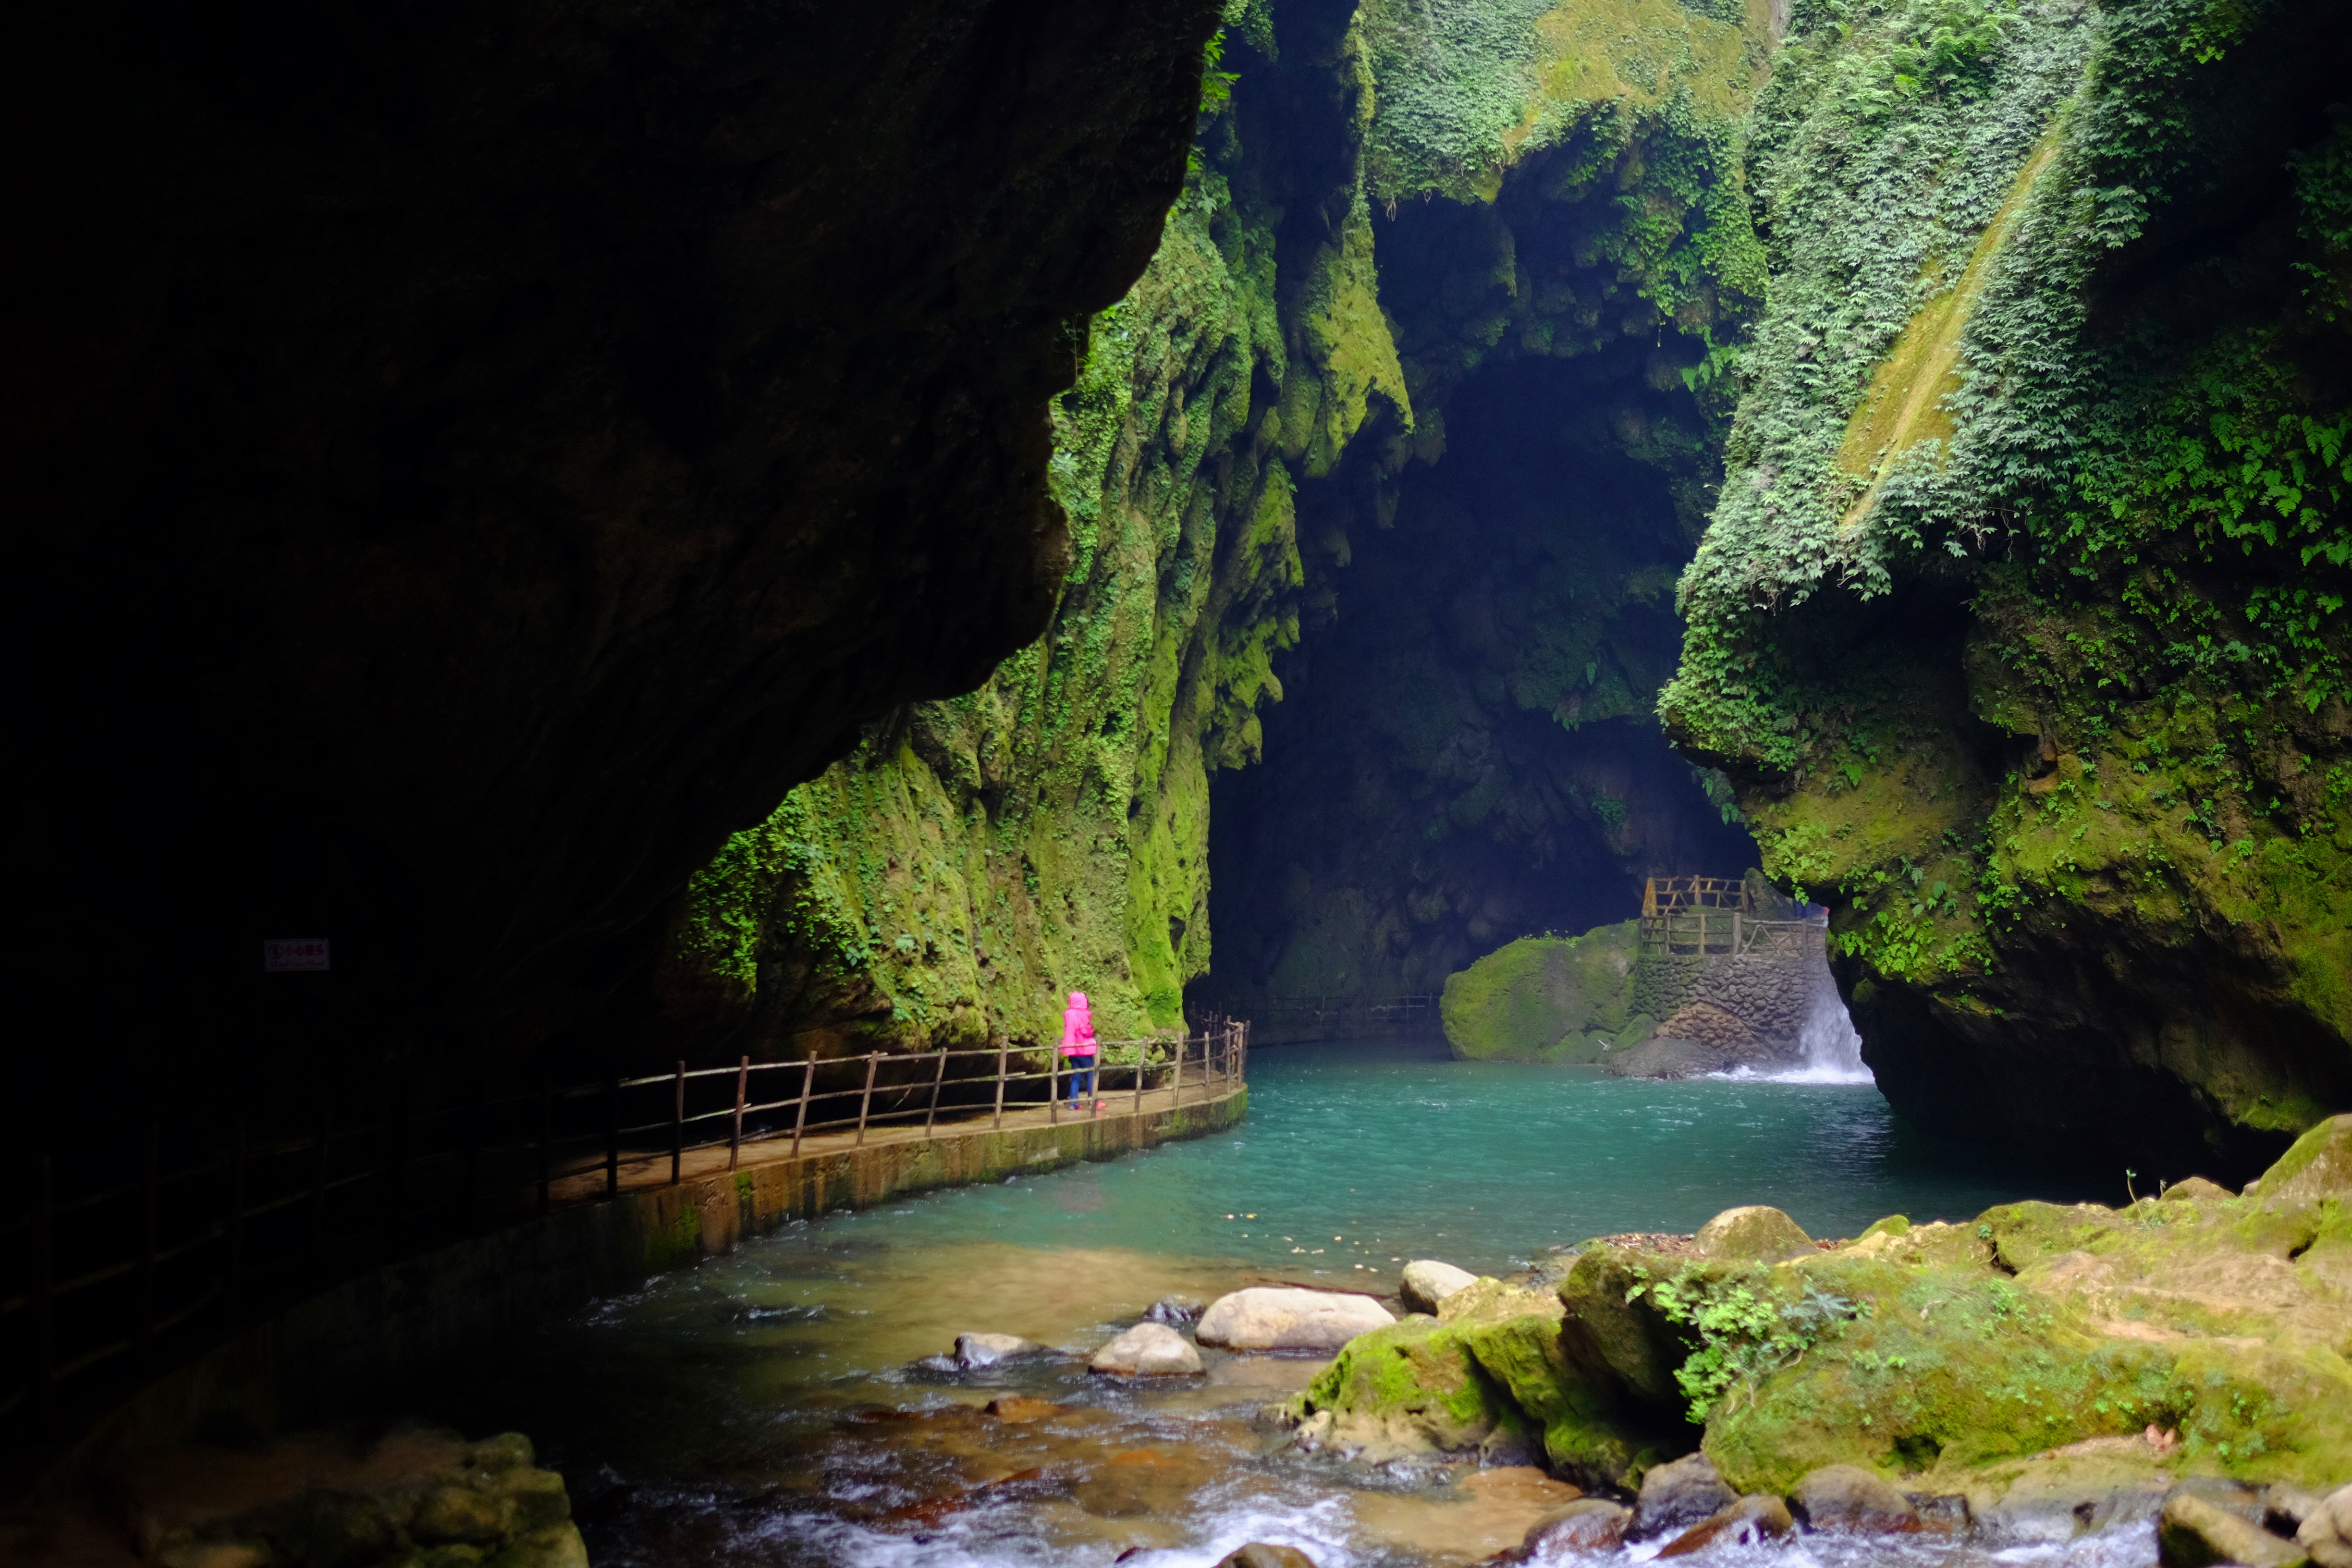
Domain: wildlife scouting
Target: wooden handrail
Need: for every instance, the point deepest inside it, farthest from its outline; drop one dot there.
(193, 1236)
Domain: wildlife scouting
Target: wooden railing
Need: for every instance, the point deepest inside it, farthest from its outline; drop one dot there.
(1663, 896)
(129, 1253)
(1729, 933)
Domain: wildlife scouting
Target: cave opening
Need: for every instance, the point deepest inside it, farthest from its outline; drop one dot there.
(1466, 751)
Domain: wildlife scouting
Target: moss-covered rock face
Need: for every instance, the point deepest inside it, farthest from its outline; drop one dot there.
(1547, 999)
(976, 858)
(2020, 626)
(1466, 752)
(1240, 422)
(2033, 1350)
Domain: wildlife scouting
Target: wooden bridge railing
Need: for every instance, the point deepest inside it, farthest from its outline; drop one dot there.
(124, 1259)
(1729, 933)
(1663, 896)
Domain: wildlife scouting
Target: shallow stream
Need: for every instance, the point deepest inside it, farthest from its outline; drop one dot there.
(767, 1408)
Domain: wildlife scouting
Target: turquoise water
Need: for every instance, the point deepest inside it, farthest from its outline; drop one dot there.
(1364, 1151)
(773, 1408)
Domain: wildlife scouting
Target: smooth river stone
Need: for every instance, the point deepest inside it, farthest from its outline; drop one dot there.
(987, 1350)
(1148, 1350)
(1285, 1318)
(1849, 1497)
(1427, 1282)
(1677, 1496)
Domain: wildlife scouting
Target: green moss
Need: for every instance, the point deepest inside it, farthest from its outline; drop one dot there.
(1544, 998)
(1415, 1381)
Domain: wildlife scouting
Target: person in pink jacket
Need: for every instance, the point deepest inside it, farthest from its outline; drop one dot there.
(1078, 1044)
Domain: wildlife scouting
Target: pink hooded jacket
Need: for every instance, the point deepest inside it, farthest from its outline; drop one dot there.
(1078, 1027)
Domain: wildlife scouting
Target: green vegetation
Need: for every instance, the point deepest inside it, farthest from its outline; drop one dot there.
(1547, 999)
(2104, 498)
(1955, 1357)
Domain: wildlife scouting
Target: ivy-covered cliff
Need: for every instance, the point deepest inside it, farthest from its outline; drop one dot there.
(2019, 625)
(977, 856)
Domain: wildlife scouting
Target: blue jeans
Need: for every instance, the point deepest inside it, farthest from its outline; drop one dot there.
(1082, 1079)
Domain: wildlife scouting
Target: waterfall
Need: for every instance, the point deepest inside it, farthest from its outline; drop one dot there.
(1832, 1049)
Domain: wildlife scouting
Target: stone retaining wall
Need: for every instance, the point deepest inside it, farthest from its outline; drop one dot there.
(337, 1351)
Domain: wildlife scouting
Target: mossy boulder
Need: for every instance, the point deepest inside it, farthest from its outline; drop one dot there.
(1546, 999)
(2318, 1166)
(1410, 1388)
(1753, 1232)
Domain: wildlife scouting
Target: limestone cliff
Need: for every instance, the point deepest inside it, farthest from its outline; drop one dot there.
(2020, 626)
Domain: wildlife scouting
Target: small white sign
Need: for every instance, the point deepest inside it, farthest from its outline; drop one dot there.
(279, 955)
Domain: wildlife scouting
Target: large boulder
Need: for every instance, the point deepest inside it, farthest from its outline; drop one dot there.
(1428, 1282)
(2326, 1532)
(1588, 1527)
(1849, 1497)
(2194, 1533)
(1678, 1495)
(1741, 1523)
(1147, 1350)
(1409, 1387)
(2317, 1165)
(1285, 1318)
(1544, 999)
(1752, 1233)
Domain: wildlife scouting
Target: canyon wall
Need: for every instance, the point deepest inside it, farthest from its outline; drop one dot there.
(1256, 455)
(2020, 626)
(468, 462)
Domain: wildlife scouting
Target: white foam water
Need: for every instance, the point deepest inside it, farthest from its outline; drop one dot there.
(1832, 1049)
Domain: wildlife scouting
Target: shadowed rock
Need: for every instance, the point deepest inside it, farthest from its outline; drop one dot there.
(1678, 1495)
(1750, 1520)
(1849, 1497)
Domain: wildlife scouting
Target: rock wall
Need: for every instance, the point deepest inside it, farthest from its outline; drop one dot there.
(469, 462)
(2020, 626)
(977, 857)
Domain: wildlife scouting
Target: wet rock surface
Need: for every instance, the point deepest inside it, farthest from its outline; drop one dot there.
(1427, 1283)
(1268, 1318)
(1678, 1495)
(417, 1498)
(1148, 1350)
(1746, 1522)
(1849, 1497)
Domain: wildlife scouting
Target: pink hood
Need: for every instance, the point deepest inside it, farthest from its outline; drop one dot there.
(1078, 1027)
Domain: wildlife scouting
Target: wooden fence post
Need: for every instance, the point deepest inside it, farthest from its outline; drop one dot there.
(147, 1237)
(873, 1060)
(1735, 933)
(735, 1137)
(1143, 1051)
(800, 1117)
(612, 1134)
(939, 1077)
(1000, 1087)
(1176, 1084)
(677, 1127)
(1054, 1088)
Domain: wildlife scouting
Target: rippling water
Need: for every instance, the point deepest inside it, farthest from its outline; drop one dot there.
(765, 1408)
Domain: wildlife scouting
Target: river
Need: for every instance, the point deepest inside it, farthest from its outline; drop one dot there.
(770, 1407)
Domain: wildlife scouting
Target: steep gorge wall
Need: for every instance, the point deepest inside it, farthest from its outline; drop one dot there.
(2019, 626)
(1239, 432)
(975, 857)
